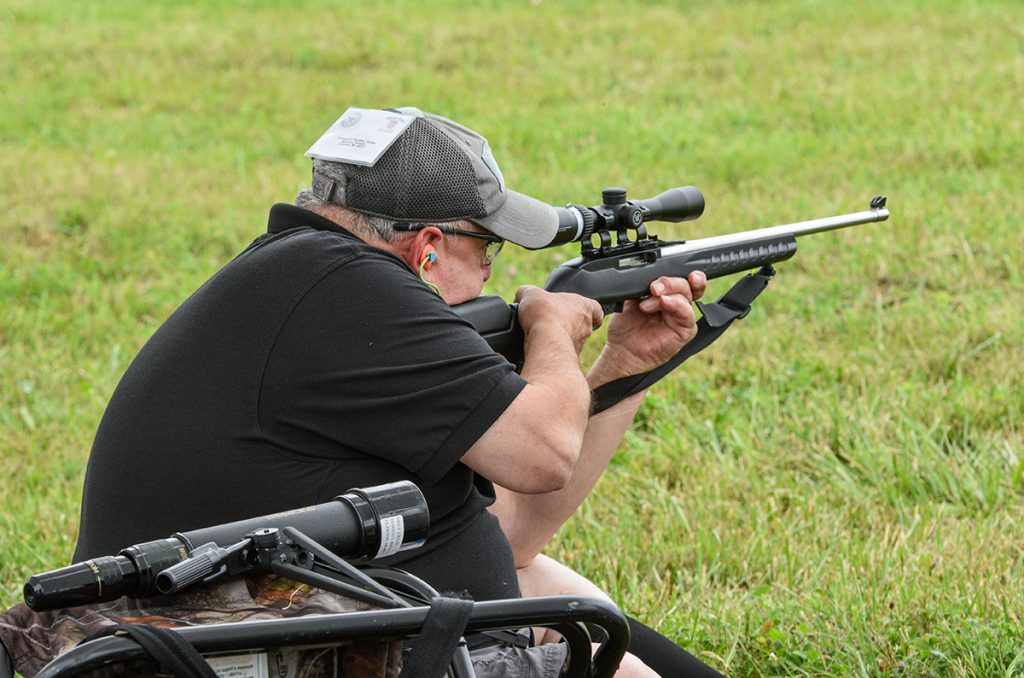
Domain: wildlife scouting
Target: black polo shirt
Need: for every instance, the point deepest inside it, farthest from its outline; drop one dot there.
(310, 364)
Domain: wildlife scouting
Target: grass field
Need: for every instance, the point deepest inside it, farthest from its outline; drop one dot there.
(835, 488)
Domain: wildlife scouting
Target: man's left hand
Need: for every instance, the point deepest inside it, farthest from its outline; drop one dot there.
(651, 330)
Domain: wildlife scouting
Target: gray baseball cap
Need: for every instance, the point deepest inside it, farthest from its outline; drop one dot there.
(437, 171)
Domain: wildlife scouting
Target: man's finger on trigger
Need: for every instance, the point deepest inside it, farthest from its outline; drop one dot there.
(650, 304)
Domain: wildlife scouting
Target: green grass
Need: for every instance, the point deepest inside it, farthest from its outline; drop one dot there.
(835, 488)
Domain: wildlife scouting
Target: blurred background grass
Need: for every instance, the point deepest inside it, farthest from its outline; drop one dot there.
(835, 488)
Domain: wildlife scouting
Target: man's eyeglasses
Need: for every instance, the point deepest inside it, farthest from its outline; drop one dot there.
(494, 242)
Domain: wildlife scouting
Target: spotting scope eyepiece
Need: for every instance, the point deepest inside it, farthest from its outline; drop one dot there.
(372, 522)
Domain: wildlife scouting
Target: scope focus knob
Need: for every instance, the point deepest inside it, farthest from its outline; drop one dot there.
(185, 574)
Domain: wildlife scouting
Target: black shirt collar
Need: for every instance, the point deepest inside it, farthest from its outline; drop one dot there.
(284, 217)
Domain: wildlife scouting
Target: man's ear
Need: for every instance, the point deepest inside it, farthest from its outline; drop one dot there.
(413, 250)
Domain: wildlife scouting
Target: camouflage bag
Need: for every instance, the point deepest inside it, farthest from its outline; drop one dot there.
(33, 639)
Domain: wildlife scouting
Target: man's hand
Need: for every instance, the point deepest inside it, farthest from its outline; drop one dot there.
(650, 331)
(575, 315)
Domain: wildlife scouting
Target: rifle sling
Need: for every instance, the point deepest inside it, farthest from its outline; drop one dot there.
(439, 637)
(716, 319)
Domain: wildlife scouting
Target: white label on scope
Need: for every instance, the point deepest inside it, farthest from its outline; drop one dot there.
(392, 534)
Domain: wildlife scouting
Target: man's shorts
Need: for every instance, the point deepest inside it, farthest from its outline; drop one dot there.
(542, 661)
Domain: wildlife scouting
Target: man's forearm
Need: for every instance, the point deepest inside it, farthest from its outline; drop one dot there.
(529, 521)
(535, 444)
(646, 334)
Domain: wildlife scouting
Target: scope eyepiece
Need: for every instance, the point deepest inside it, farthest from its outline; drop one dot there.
(130, 573)
(80, 584)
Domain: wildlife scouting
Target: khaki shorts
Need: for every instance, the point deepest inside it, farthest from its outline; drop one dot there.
(543, 661)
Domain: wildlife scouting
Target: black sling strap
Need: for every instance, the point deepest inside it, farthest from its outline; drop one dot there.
(716, 319)
(438, 639)
(174, 654)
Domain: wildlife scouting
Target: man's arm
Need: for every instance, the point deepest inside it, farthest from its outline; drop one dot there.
(644, 336)
(534, 445)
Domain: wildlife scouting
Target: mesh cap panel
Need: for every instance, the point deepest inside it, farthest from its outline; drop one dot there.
(424, 176)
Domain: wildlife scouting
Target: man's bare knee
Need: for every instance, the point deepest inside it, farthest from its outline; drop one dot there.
(546, 576)
(632, 667)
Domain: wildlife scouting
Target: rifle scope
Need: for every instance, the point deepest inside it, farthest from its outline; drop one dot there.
(373, 522)
(615, 213)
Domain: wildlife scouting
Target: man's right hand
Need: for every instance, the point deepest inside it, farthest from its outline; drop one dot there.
(575, 315)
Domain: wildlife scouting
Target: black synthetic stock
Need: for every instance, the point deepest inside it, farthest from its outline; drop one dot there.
(611, 281)
(606, 281)
(497, 321)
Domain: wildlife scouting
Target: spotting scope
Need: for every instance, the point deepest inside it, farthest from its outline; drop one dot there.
(372, 522)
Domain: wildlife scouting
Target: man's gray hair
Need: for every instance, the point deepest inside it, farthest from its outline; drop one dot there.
(366, 226)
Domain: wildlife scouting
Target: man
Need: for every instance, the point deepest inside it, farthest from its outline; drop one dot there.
(326, 356)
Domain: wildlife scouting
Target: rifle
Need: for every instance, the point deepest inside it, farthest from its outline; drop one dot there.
(611, 271)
